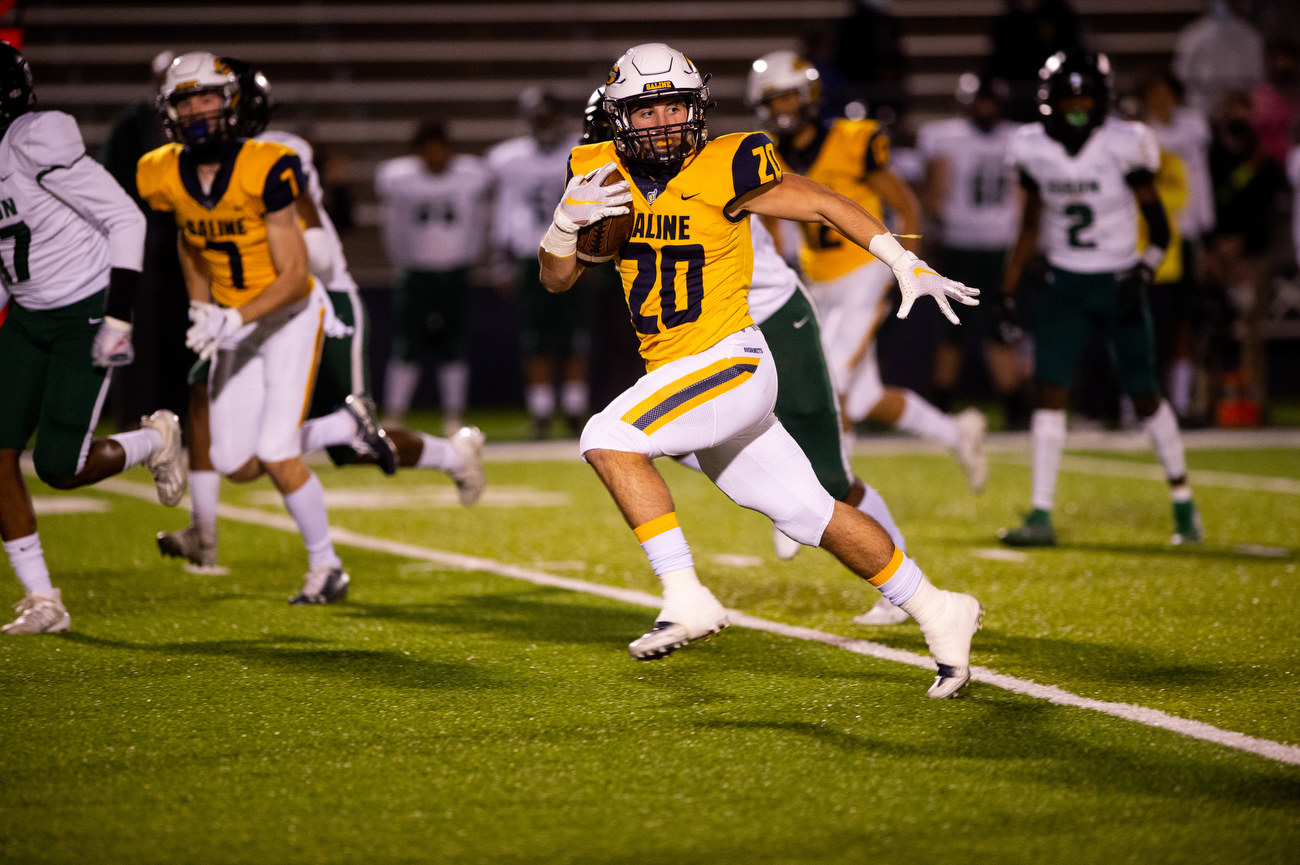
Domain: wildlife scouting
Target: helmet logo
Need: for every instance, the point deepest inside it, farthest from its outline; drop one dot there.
(613, 75)
(658, 85)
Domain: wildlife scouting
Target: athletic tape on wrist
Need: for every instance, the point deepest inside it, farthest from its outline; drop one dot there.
(559, 242)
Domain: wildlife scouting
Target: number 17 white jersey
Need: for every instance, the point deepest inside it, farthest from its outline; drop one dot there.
(64, 220)
(1090, 216)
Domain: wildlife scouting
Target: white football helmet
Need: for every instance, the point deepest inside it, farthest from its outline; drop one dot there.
(649, 73)
(777, 73)
(192, 73)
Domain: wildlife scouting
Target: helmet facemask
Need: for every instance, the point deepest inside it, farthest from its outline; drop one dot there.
(666, 146)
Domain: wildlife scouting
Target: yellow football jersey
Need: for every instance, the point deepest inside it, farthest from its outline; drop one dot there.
(687, 267)
(227, 224)
(1171, 187)
(839, 158)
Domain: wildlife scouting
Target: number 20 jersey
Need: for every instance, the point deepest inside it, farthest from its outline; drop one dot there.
(1090, 217)
(687, 268)
(227, 224)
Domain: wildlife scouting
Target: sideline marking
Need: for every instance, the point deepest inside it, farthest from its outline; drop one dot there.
(46, 505)
(1150, 717)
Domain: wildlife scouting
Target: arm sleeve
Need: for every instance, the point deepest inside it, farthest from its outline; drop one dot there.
(283, 183)
(753, 165)
(877, 155)
(88, 188)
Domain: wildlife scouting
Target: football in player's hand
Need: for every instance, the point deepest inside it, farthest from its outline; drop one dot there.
(601, 241)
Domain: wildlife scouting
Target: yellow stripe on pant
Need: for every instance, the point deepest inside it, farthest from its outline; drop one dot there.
(674, 400)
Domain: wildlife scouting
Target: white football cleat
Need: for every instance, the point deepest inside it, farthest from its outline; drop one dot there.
(469, 478)
(167, 464)
(884, 612)
(682, 620)
(786, 547)
(323, 585)
(971, 426)
(949, 634)
(39, 613)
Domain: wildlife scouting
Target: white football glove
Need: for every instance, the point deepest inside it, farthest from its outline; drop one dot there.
(585, 201)
(112, 346)
(333, 325)
(212, 325)
(916, 278)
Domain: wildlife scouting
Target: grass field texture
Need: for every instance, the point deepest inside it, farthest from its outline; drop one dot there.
(451, 712)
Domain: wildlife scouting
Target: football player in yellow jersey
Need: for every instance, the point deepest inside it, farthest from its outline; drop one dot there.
(848, 285)
(710, 385)
(255, 314)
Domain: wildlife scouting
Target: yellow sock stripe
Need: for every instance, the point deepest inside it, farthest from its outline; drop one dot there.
(674, 400)
(656, 527)
(895, 563)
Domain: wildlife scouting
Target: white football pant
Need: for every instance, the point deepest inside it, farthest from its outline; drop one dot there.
(718, 405)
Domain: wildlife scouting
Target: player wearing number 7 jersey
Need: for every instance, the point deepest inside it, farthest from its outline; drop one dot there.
(1086, 177)
(710, 384)
(255, 314)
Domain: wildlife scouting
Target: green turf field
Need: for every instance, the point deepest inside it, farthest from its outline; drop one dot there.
(457, 714)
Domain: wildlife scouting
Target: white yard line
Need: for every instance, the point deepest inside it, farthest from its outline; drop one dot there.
(1149, 717)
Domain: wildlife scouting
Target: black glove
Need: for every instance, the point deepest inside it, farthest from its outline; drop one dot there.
(1133, 284)
(1009, 329)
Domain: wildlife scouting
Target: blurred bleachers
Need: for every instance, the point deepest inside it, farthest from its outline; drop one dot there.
(357, 78)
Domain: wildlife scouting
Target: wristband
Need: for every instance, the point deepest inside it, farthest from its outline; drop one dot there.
(886, 248)
(117, 324)
(1152, 258)
(559, 242)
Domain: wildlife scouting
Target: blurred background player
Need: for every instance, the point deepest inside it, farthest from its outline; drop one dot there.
(343, 415)
(807, 408)
(1086, 177)
(848, 285)
(434, 204)
(71, 246)
(972, 194)
(529, 176)
(255, 313)
(1182, 132)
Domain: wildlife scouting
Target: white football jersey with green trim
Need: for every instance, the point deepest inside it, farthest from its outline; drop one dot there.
(1090, 215)
(64, 220)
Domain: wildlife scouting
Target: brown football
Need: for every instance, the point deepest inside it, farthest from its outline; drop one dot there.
(601, 241)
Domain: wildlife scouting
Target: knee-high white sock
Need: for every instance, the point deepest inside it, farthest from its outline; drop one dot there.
(1047, 438)
(336, 428)
(400, 382)
(922, 419)
(438, 454)
(573, 398)
(205, 491)
(1181, 374)
(307, 507)
(453, 387)
(139, 445)
(540, 399)
(873, 505)
(1167, 441)
(28, 561)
